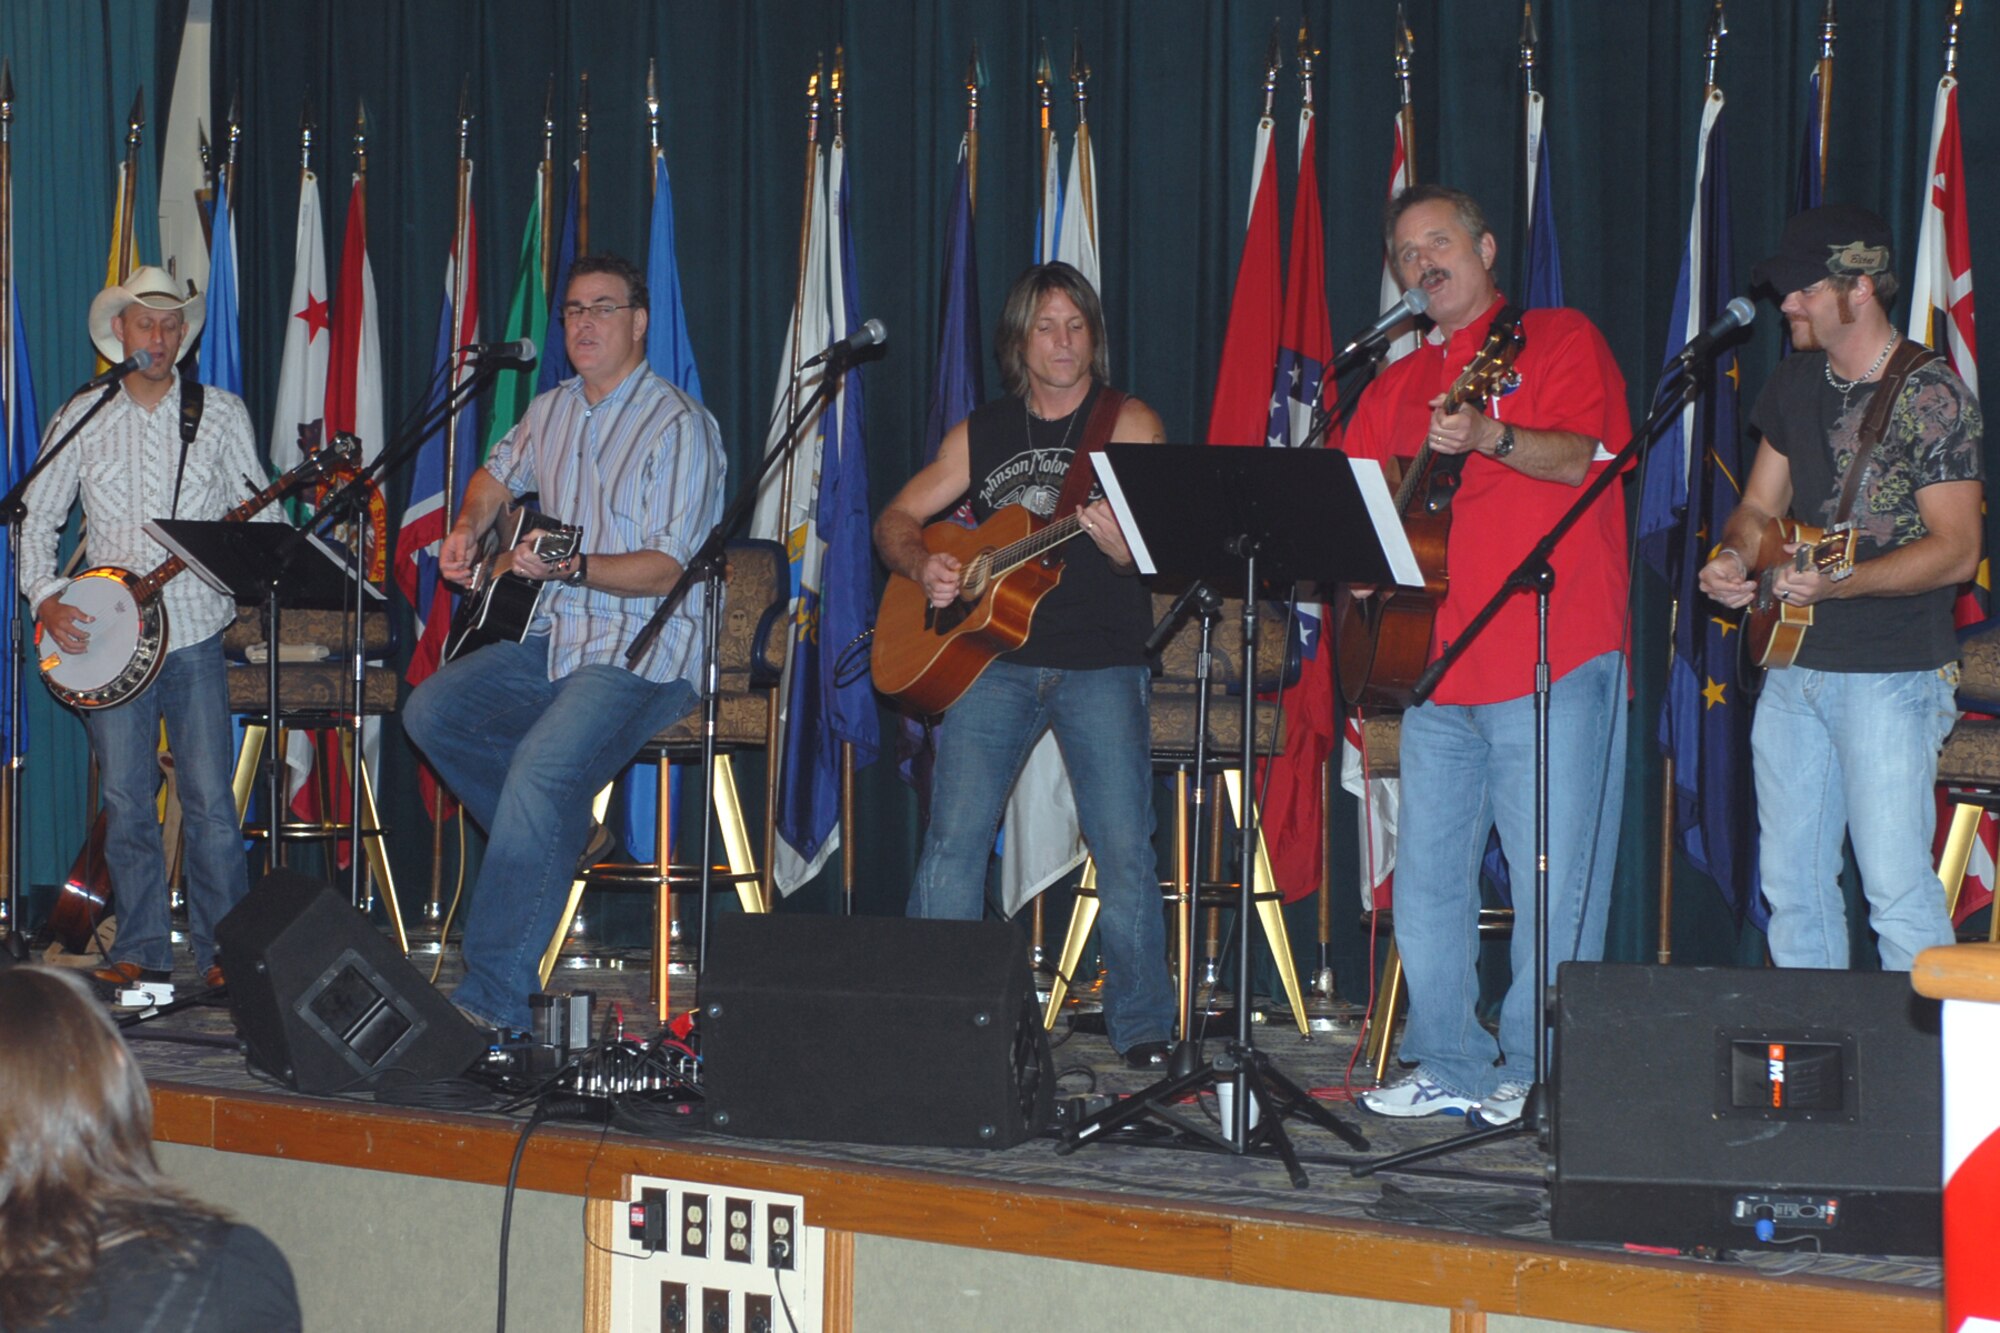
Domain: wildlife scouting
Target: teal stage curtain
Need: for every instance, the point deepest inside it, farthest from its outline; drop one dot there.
(1175, 94)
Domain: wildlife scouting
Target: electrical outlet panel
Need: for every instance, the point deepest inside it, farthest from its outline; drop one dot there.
(692, 1257)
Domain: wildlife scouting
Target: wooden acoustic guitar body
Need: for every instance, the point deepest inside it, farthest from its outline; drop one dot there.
(1384, 640)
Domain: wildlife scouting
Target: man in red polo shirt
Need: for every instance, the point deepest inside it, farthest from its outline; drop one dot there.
(1468, 752)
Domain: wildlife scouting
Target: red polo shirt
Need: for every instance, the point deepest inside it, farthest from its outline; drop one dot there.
(1568, 382)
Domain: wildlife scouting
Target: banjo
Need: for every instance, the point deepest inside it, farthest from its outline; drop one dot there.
(128, 632)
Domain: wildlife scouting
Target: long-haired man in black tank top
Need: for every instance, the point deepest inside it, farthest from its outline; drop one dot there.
(1082, 671)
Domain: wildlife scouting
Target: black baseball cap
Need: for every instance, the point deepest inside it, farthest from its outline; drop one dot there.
(1838, 240)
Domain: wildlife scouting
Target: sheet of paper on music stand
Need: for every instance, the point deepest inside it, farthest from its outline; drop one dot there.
(1322, 517)
(236, 559)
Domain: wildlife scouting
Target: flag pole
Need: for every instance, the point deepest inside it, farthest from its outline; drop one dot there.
(546, 182)
(1044, 94)
(774, 761)
(847, 868)
(10, 775)
(654, 153)
(1828, 27)
(1079, 77)
(975, 79)
(233, 146)
(583, 167)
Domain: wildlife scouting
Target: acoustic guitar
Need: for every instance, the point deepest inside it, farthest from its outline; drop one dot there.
(1773, 630)
(1384, 640)
(500, 605)
(927, 656)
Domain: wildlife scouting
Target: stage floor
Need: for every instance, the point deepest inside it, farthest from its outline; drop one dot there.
(1468, 1232)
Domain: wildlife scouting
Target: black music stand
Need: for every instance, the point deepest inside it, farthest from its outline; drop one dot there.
(272, 565)
(1279, 516)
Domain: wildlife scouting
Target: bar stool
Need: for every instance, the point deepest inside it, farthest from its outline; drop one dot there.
(750, 655)
(1969, 767)
(1174, 699)
(315, 695)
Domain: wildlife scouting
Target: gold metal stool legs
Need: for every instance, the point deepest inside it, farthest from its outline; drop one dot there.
(1082, 921)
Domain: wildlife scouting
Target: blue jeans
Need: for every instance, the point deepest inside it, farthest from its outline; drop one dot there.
(1468, 769)
(1841, 752)
(192, 694)
(1101, 721)
(526, 754)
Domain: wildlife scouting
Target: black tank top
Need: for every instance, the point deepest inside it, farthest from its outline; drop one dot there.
(1096, 617)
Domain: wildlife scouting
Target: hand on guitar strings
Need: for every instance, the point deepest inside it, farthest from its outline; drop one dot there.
(940, 578)
(1801, 587)
(456, 556)
(1461, 431)
(1101, 526)
(528, 562)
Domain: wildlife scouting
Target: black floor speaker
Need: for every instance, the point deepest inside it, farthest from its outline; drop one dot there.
(1740, 1107)
(872, 1030)
(325, 1003)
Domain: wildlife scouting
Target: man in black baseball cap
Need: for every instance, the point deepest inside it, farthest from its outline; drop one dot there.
(1871, 437)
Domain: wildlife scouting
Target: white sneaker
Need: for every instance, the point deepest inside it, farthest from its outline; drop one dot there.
(1416, 1095)
(1502, 1108)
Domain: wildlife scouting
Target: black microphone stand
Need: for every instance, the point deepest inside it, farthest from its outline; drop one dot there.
(14, 508)
(1535, 573)
(707, 565)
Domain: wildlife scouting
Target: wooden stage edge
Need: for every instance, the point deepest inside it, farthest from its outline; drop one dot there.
(1468, 1275)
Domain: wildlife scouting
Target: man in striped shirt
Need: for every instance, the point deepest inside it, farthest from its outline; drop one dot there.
(526, 733)
(134, 462)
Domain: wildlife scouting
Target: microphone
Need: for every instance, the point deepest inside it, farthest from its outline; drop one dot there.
(522, 349)
(1415, 301)
(871, 334)
(1738, 314)
(142, 359)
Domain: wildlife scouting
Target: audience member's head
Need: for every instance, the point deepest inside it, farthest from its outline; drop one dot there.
(77, 1173)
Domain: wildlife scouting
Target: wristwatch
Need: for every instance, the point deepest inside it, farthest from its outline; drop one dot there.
(1506, 445)
(582, 566)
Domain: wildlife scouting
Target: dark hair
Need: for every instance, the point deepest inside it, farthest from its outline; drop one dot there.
(1470, 216)
(1886, 286)
(617, 266)
(77, 1172)
(1017, 316)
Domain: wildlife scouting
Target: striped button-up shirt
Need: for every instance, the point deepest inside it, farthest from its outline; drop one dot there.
(125, 463)
(639, 470)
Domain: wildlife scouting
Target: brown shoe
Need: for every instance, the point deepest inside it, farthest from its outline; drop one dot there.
(603, 845)
(122, 976)
(213, 978)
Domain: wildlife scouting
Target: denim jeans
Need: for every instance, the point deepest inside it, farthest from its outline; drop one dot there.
(192, 694)
(1101, 721)
(1841, 752)
(526, 754)
(1466, 769)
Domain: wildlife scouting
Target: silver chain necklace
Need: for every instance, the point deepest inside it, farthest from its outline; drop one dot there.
(1846, 387)
(1031, 417)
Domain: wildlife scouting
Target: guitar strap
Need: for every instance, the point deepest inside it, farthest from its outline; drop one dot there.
(1907, 357)
(192, 400)
(1096, 434)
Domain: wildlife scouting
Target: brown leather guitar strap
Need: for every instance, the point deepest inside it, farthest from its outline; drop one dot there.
(1907, 357)
(1096, 434)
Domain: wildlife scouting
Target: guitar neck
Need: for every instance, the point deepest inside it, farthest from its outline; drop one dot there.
(1035, 545)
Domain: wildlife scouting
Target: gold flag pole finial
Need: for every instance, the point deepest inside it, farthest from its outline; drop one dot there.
(583, 115)
(135, 120)
(583, 164)
(1951, 37)
(1045, 77)
(6, 91)
(1274, 65)
(549, 121)
(306, 128)
(234, 124)
(813, 81)
(1531, 41)
(465, 117)
(1406, 46)
(1308, 58)
(1079, 78)
(360, 137)
(653, 103)
(839, 86)
(1829, 24)
(975, 79)
(1718, 28)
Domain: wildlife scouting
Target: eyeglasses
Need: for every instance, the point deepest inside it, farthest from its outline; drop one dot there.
(598, 313)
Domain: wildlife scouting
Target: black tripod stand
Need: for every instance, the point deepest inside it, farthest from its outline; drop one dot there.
(1536, 574)
(1208, 513)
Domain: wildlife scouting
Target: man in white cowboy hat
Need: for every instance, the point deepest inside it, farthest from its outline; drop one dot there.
(161, 447)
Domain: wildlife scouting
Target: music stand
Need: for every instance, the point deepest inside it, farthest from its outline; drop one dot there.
(1279, 516)
(272, 565)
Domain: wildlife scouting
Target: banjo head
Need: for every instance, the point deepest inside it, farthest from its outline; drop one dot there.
(126, 639)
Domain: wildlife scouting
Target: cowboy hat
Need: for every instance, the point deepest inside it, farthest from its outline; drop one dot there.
(153, 288)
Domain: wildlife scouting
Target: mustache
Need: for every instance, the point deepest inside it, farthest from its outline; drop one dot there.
(1432, 272)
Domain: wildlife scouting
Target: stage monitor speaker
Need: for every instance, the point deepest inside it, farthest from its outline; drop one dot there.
(1731, 1107)
(872, 1030)
(326, 1004)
